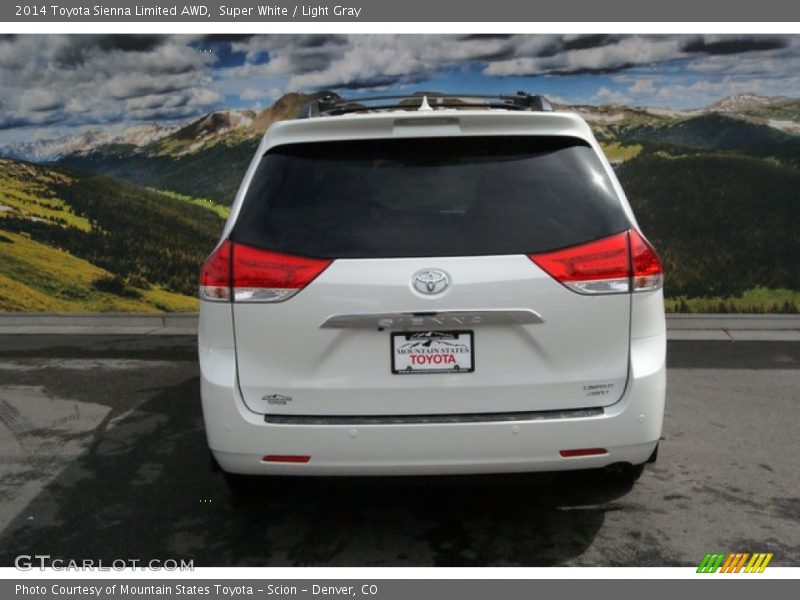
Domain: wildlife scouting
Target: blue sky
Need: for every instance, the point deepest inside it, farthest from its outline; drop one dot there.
(56, 85)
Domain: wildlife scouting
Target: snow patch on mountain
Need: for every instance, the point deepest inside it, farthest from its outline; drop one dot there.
(82, 143)
(741, 102)
(782, 125)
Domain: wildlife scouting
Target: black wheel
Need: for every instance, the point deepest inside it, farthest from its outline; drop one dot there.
(213, 462)
(240, 486)
(624, 473)
(636, 472)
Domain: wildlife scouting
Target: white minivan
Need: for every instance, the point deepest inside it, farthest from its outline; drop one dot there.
(431, 285)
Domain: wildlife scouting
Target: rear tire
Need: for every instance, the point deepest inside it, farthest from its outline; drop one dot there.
(624, 473)
(636, 472)
(239, 486)
(212, 461)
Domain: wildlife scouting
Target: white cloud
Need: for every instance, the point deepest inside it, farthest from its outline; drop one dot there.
(642, 86)
(314, 62)
(81, 79)
(40, 100)
(260, 94)
(620, 54)
(69, 81)
(607, 96)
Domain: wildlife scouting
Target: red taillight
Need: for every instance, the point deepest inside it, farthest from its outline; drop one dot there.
(255, 275)
(600, 267)
(264, 276)
(215, 276)
(605, 266)
(648, 274)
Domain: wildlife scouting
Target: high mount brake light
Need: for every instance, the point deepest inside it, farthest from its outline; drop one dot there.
(247, 274)
(617, 264)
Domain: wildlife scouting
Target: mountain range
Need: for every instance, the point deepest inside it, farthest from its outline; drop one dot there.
(152, 139)
(187, 159)
(715, 189)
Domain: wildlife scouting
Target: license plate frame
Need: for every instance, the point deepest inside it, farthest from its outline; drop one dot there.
(464, 361)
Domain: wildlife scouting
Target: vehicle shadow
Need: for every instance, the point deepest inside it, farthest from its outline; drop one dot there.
(145, 491)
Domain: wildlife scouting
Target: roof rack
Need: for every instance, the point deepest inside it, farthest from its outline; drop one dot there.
(330, 104)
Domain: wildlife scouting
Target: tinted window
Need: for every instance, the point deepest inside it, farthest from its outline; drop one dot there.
(429, 197)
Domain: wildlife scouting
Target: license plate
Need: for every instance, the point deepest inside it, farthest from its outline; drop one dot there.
(433, 352)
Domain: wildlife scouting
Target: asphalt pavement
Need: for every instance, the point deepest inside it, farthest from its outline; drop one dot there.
(102, 456)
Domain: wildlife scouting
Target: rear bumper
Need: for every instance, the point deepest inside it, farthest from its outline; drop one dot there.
(629, 430)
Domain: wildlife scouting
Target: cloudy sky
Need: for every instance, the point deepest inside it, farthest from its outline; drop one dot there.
(55, 85)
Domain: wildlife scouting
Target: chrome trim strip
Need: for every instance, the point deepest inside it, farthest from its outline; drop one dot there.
(434, 319)
(542, 415)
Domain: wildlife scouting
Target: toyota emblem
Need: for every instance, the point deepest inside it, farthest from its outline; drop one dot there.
(430, 281)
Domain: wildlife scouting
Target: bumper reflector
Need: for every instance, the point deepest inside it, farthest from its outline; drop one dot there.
(583, 452)
(286, 458)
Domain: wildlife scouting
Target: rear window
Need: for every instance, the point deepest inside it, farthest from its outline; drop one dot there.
(429, 197)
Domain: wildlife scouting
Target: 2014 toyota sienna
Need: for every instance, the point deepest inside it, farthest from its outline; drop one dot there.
(437, 286)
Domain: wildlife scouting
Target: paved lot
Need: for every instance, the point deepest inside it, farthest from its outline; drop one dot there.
(102, 456)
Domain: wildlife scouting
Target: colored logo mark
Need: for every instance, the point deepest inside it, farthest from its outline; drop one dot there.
(735, 562)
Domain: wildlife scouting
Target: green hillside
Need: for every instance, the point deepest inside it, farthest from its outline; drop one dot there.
(213, 172)
(779, 109)
(722, 223)
(74, 241)
(714, 133)
(719, 195)
(708, 132)
(37, 277)
(756, 300)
